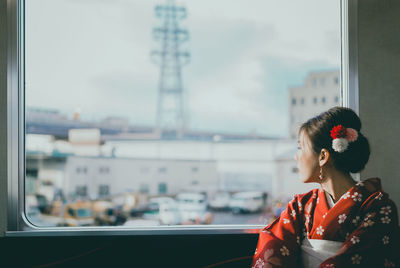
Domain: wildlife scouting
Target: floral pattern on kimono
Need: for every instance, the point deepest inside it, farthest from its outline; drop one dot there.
(364, 219)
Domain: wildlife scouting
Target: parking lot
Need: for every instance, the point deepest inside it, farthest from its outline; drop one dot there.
(227, 217)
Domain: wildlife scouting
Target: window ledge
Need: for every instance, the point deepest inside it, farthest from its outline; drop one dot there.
(128, 231)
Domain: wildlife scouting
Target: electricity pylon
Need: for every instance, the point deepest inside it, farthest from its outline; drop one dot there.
(171, 58)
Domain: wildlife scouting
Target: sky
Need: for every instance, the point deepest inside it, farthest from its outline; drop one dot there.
(94, 56)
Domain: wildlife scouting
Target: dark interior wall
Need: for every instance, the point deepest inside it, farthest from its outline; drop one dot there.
(379, 89)
(130, 251)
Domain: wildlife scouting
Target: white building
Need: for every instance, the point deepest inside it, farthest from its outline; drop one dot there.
(97, 177)
(286, 181)
(241, 165)
(157, 167)
(170, 167)
(320, 91)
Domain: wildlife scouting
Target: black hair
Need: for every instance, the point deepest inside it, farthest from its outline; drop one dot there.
(318, 129)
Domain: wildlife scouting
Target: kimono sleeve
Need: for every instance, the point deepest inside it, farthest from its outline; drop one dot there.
(374, 243)
(278, 243)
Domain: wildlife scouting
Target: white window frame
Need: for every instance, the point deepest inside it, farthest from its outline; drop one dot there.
(19, 225)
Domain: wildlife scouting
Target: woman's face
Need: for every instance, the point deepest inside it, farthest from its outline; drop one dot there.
(307, 160)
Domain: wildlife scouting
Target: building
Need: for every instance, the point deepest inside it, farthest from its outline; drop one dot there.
(96, 177)
(151, 167)
(286, 182)
(319, 92)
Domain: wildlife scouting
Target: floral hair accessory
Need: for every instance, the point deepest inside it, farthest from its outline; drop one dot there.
(351, 134)
(342, 136)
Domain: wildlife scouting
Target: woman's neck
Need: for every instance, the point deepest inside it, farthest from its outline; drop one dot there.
(337, 183)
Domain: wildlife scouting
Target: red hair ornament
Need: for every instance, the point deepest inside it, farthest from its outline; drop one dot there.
(342, 136)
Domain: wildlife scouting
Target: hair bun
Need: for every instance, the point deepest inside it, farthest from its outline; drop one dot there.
(356, 155)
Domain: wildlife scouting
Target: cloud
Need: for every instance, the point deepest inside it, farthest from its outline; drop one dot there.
(95, 55)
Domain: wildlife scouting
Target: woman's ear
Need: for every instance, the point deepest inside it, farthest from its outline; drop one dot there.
(323, 157)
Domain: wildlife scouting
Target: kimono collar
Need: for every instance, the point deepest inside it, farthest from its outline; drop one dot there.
(329, 200)
(372, 184)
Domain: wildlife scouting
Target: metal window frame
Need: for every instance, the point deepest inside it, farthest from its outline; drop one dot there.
(19, 225)
(349, 55)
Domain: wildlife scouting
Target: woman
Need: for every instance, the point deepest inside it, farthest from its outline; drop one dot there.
(342, 224)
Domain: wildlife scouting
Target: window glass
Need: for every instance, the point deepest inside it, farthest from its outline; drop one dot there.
(104, 170)
(336, 80)
(104, 191)
(171, 112)
(81, 191)
(162, 188)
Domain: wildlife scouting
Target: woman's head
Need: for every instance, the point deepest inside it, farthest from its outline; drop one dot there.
(316, 135)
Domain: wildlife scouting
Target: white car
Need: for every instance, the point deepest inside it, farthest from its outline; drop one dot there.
(191, 202)
(220, 201)
(247, 202)
(169, 214)
(156, 204)
(193, 208)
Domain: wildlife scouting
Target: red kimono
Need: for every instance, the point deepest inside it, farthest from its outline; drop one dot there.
(364, 219)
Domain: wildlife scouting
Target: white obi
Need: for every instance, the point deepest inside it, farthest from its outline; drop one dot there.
(316, 251)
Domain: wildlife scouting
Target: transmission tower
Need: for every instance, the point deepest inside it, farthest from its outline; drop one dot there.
(170, 107)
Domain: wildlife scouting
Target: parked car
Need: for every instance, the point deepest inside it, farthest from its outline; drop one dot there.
(193, 208)
(79, 213)
(156, 202)
(105, 214)
(169, 214)
(191, 201)
(154, 205)
(43, 205)
(220, 201)
(139, 211)
(247, 202)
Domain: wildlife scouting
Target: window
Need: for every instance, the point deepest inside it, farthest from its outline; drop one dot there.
(314, 82)
(104, 170)
(336, 80)
(323, 100)
(162, 170)
(162, 188)
(81, 191)
(104, 190)
(336, 99)
(81, 170)
(154, 127)
(315, 100)
(195, 169)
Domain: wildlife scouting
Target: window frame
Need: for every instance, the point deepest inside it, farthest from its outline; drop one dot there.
(17, 222)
